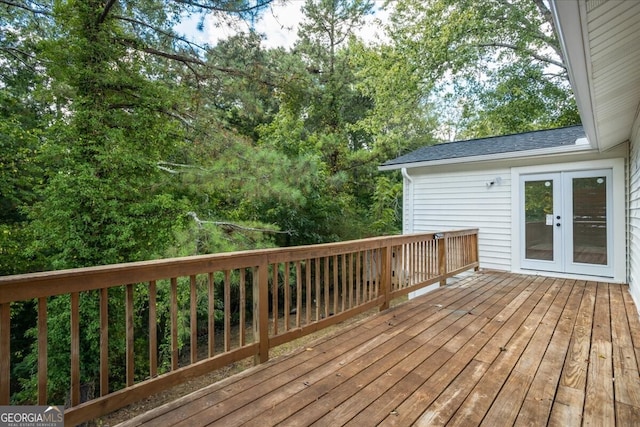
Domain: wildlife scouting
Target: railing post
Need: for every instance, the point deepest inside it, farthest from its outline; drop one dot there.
(5, 356)
(385, 276)
(261, 312)
(476, 250)
(442, 258)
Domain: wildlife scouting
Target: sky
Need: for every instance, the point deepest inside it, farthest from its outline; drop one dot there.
(280, 25)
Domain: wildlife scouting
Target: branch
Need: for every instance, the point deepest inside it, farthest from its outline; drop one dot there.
(164, 166)
(188, 60)
(177, 116)
(105, 12)
(546, 13)
(14, 53)
(158, 30)
(258, 5)
(235, 226)
(548, 17)
(171, 171)
(27, 8)
(180, 165)
(517, 49)
(174, 56)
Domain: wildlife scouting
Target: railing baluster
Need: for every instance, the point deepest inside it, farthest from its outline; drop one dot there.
(307, 269)
(336, 287)
(274, 298)
(378, 273)
(318, 297)
(212, 315)
(423, 261)
(42, 351)
(261, 310)
(350, 280)
(298, 292)
(243, 299)
(104, 342)
(326, 287)
(344, 281)
(130, 339)
(434, 258)
(366, 274)
(413, 265)
(287, 296)
(375, 273)
(358, 281)
(5, 352)
(227, 307)
(174, 323)
(386, 260)
(193, 318)
(153, 330)
(402, 253)
(75, 348)
(375, 277)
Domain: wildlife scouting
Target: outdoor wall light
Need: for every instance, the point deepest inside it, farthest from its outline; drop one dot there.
(496, 181)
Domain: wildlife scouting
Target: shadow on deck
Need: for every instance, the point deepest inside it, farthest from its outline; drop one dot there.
(492, 349)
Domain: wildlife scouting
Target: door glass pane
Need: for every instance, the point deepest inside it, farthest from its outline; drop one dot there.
(538, 207)
(590, 220)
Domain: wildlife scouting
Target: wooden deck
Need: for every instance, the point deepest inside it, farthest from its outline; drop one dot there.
(494, 349)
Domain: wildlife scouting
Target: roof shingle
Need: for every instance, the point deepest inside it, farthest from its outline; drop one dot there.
(547, 138)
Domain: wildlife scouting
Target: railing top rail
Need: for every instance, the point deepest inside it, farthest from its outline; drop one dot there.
(43, 284)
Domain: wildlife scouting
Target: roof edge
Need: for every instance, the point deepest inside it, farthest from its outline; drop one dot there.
(540, 152)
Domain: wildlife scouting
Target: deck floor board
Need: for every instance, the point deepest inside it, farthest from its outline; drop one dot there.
(492, 349)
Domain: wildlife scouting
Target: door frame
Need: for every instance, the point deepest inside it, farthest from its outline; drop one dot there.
(562, 230)
(618, 252)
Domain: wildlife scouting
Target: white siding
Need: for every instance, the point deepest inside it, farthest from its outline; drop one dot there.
(614, 52)
(454, 200)
(634, 213)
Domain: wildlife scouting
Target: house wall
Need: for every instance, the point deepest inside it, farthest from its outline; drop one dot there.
(452, 199)
(455, 196)
(634, 214)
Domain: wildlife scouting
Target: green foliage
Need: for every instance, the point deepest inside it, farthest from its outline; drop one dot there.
(102, 201)
(245, 98)
(19, 173)
(497, 67)
(538, 200)
(401, 117)
(386, 209)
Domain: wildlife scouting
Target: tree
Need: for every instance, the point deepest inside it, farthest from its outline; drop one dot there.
(487, 60)
(316, 121)
(112, 112)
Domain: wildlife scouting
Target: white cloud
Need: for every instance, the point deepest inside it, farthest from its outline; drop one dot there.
(280, 24)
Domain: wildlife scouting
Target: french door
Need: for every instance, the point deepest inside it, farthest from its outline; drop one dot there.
(566, 222)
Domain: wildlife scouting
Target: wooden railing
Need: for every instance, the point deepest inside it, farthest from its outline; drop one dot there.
(208, 301)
